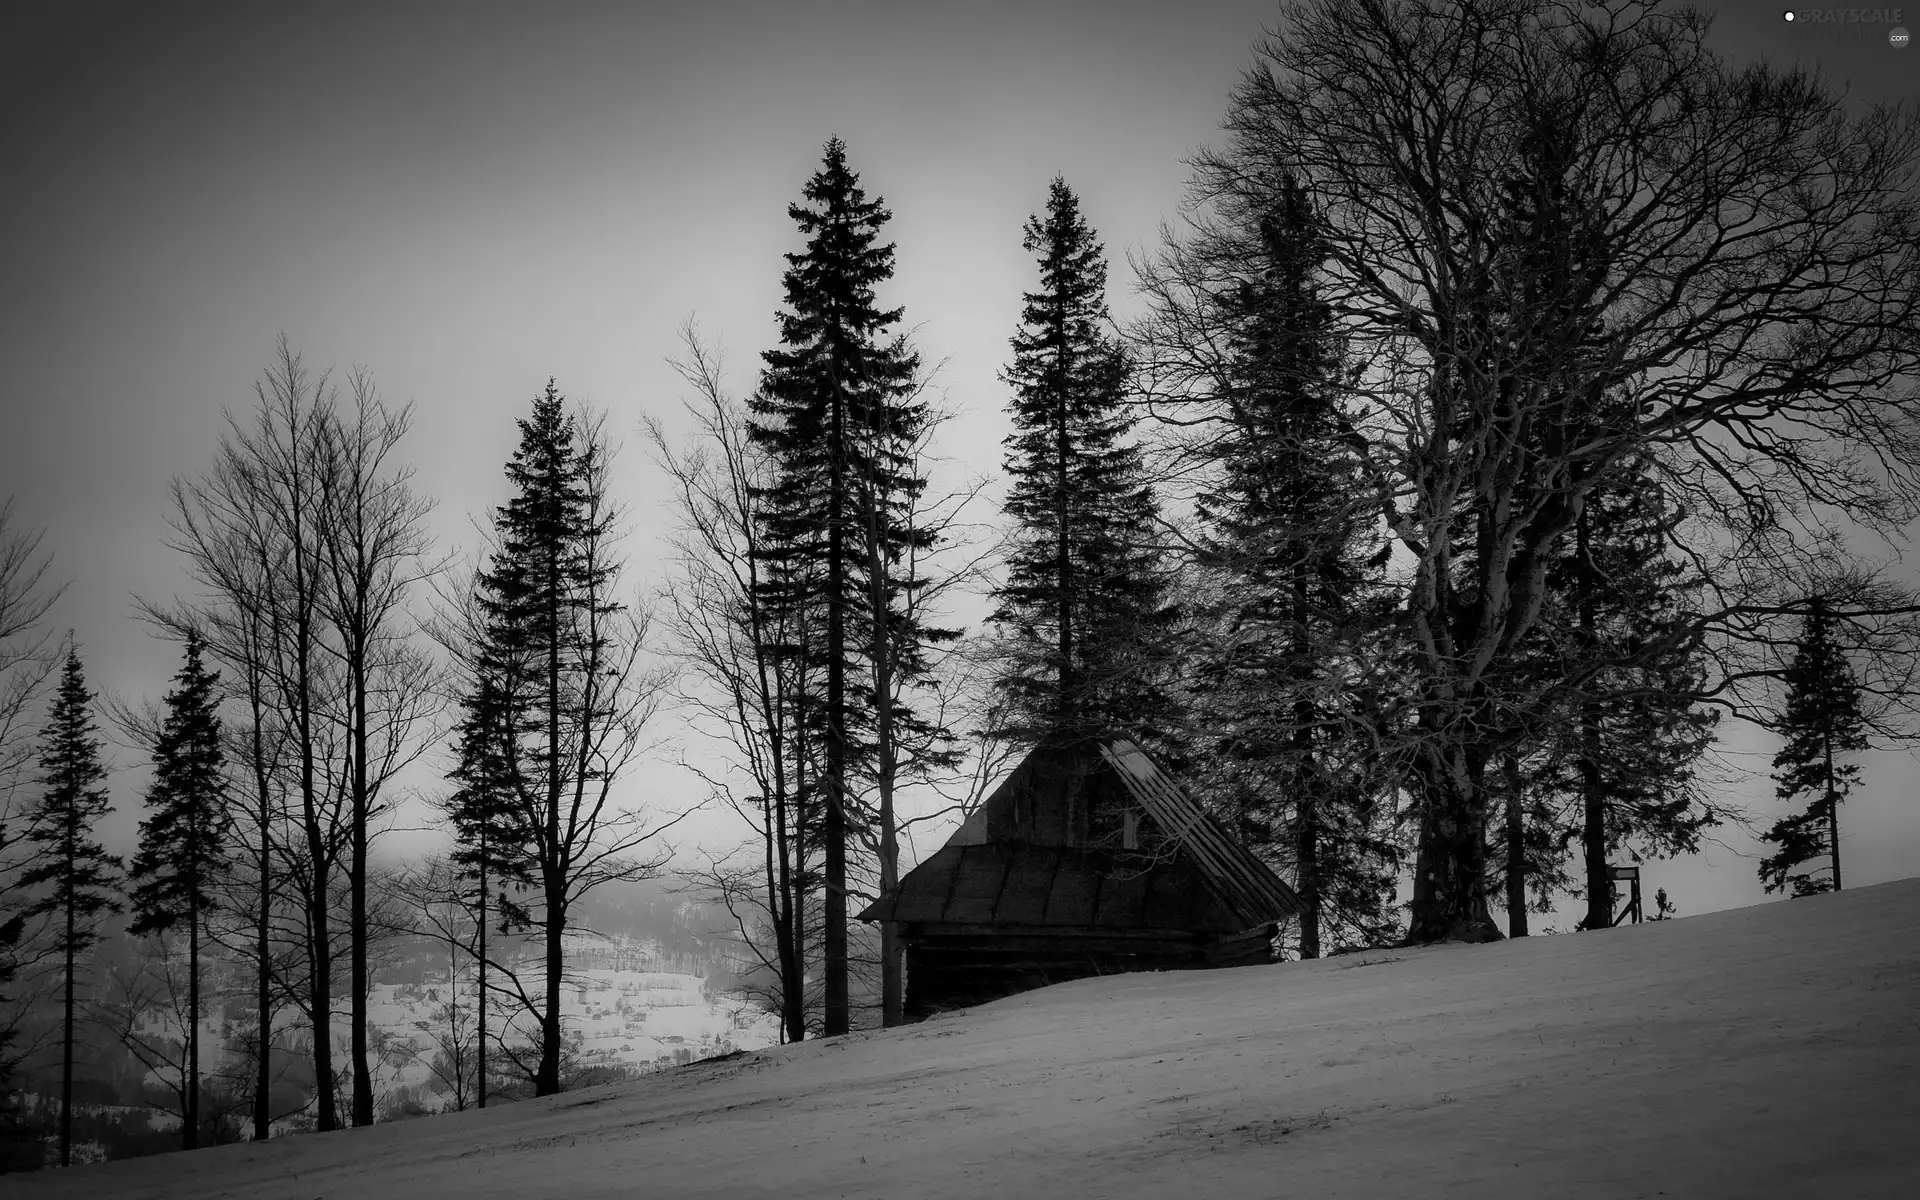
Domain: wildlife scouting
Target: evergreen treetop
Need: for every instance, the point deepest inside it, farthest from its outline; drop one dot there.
(836, 403)
(1821, 724)
(184, 842)
(839, 410)
(538, 576)
(1290, 529)
(1083, 598)
(79, 875)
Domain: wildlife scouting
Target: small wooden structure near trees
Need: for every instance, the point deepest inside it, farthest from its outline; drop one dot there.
(1085, 861)
(1632, 909)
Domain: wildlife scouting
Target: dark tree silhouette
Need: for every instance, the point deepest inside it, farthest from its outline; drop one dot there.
(79, 877)
(739, 640)
(1292, 529)
(1610, 727)
(1637, 730)
(1759, 365)
(489, 838)
(1082, 601)
(235, 554)
(27, 661)
(372, 548)
(834, 403)
(1821, 724)
(556, 680)
(184, 843)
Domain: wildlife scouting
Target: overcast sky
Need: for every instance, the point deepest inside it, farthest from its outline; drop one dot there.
(467, 198)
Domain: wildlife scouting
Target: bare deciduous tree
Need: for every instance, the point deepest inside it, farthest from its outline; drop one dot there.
(742, 690)
(374, 548)
(303, 538)
(1720, 277)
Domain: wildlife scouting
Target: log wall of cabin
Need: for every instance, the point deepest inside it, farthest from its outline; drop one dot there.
(952, 966)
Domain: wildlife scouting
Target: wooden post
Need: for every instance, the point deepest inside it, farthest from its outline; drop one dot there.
(1632, 876)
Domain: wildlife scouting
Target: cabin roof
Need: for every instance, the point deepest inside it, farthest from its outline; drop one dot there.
(1201, 880)
(1245, 883)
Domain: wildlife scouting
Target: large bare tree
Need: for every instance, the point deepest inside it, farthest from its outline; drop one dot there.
(1718, 274)
(303, 539)
(739, 688)
(374, 550)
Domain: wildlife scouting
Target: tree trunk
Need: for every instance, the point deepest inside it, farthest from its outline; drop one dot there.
(780, 904)
(892, 989)
(794, 987)
(480, 964)
(882, 653)
(1593, 831)
(547, 1082)
(263, 976)
(1307, 813)
(1449, 893)
(1307, 856)
(1063, 573)
(1593, 840)
(190, 1133)
(1516, 846)
(66, 1036)
(1833, 817)
(362, 1080)
(319, 995)
(836, 1016)
(319, 853)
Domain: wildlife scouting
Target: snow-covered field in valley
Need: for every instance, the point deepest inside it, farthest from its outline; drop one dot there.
(1770, 1051)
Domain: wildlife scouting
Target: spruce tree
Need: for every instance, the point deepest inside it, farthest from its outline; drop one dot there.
(1638, 730)
(558, 698)
(79, 876)
(1822, 723)
(1291, 527)
(184, 842)
(1082, 601)
(1611, 729)
(532, 596)
(489, 834)
(834, 409)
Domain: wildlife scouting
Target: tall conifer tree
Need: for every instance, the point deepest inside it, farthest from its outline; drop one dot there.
(1822, 724)
(1082, 599)
(558, 698)
(488, 825)
(1609, 680)
(835, 410)
(532, 594)
(1638, 732)
(1292, 529)
(184, 842)
(79, 876)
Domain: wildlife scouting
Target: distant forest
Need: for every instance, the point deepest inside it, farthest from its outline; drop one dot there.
(1525, 395)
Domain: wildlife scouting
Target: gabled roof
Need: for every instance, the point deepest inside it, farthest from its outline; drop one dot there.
(1230, 868)
(1200, 880)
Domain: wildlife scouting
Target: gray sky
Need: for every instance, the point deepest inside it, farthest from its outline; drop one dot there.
(467, 198)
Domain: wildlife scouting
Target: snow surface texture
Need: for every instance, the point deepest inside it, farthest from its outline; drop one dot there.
(1759, 1052)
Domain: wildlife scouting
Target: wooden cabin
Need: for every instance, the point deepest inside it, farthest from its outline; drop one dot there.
(1089, 861)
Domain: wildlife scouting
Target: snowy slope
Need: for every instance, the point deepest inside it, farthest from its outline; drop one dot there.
(1758, 1052)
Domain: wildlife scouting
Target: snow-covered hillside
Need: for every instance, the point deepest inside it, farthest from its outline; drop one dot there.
(1759, 1052)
